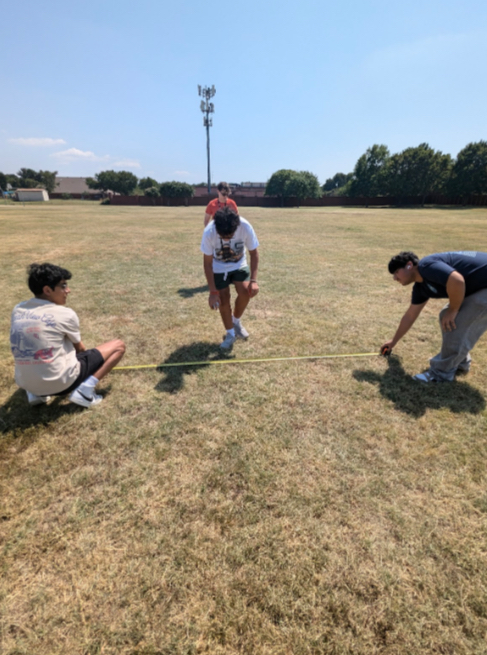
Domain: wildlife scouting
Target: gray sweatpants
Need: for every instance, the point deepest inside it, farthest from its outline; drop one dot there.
(471, 322)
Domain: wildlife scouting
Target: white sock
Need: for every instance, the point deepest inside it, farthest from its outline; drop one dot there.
(90, 382)
(236, 321)
(231, 332)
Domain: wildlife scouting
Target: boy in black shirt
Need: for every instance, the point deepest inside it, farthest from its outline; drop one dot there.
(462, 278)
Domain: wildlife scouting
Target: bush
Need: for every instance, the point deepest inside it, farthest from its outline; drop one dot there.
(176, 190)
(122, 182)
(147, 182)
(287, 183)
(66, 196)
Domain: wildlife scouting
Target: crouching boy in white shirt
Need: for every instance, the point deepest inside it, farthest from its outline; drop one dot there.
(50, 358)
(224, 245)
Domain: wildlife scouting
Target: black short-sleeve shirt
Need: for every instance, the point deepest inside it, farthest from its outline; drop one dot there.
(436, 269)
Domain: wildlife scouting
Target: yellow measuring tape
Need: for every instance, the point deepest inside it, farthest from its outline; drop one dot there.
(242, 361)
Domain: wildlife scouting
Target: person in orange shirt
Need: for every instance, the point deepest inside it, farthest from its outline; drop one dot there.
(222, 201)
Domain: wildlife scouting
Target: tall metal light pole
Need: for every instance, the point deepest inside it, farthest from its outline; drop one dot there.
(207, 108)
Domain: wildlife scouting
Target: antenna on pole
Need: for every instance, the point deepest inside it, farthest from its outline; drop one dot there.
(207, 108)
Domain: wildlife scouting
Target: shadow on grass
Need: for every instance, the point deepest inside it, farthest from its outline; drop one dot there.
(414, 398)
(19, 419)
(199, 351)
(189, 293)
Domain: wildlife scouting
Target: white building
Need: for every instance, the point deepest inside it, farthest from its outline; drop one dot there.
(32, 195)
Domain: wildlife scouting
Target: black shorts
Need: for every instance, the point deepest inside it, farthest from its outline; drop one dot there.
(224, 280)
(90, 361)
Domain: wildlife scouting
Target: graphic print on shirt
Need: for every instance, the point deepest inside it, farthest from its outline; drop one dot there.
(28, 341)
(228, 254)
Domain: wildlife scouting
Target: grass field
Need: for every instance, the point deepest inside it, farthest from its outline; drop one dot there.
(291, 508)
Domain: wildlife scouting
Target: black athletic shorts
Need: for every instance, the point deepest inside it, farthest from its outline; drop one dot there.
(90, 361)
(224, 280)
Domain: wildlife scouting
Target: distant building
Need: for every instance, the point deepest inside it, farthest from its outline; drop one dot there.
(76, 187)
(32, 195)
(202, 190)
(247, 189)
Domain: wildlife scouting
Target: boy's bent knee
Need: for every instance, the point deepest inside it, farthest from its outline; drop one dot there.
(116, 348)
(120, 346)
(119, 349)
(242, 288)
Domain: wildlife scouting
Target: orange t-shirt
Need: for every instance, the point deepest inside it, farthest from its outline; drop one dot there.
(215, 205)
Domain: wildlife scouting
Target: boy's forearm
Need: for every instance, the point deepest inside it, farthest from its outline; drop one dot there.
(254, 264)
(210, 278)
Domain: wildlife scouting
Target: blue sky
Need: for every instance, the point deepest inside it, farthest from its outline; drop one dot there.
(307, 85)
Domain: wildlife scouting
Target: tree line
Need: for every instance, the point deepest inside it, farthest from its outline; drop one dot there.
(27, 178)
(122, 182)
(127, 183)
(414, 172)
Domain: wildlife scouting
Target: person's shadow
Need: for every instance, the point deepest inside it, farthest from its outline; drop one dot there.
(414, 398)
(189, 293)
(200, 351)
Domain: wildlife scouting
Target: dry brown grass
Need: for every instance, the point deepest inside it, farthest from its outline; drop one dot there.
(304, 508)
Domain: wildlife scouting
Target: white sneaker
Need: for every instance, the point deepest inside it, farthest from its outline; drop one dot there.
(37, 400)
(240, 331)
(228, 342)
(427, 376)
(85, 399)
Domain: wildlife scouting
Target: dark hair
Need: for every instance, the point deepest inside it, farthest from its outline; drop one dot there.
(224, 186)
(400, 261)
(226, 221)
(40, 275)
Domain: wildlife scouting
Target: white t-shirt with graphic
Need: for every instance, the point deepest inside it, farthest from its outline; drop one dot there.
(41, 337)
(229, 254)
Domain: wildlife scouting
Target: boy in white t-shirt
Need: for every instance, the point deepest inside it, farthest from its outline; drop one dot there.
(50, 358)
(224, 260)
